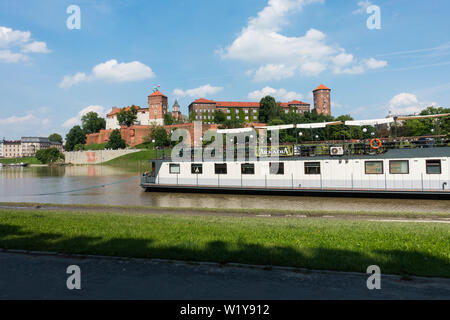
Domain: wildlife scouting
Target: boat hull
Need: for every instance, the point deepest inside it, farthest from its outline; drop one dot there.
(395, 194)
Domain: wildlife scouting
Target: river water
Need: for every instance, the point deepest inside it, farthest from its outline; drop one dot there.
(119, 186)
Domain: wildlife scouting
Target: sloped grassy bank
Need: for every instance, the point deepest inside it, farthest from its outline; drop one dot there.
(344, 245)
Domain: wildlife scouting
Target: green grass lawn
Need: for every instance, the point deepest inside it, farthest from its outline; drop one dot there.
(345, 245)
(29, 160)
(138, 160)
(93, 147)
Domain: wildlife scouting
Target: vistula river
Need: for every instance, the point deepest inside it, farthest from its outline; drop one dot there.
(118, 186)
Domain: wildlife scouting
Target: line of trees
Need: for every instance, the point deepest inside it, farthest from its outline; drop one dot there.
(90, 123)
(272, 113)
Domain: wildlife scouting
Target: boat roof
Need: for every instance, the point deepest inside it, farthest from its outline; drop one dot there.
(438, 152)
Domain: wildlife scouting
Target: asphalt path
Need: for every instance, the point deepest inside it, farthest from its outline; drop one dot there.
(41, 276)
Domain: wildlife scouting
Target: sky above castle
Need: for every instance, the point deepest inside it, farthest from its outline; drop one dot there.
(52, 72)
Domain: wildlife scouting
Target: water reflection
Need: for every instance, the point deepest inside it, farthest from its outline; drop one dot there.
(44, 185)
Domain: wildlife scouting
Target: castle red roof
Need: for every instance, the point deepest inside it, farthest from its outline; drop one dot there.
(321, 87)
(116, 110)
(201, 100)
(157, 94)
(238, 104)
(223, 104)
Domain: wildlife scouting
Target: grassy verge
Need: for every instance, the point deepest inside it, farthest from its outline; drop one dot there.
(29, 160)
(398, 248)
(93, 147)
(226, 211)
(138, 160)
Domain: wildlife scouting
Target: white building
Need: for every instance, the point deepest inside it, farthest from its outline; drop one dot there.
(143, 118)
(1, 148)
(30, 145)
(12, 149)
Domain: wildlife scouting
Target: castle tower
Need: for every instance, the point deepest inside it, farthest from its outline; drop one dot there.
(322, 100)
(157, 107)
(176, 113)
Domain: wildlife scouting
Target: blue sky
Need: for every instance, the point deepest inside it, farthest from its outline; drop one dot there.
(222, 50)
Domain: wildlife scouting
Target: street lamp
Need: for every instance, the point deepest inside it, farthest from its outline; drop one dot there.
(296, 137)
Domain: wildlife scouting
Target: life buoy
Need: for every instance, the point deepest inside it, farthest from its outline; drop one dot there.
(377, 145)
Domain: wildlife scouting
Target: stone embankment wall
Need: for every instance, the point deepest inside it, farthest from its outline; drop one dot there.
(95, 157)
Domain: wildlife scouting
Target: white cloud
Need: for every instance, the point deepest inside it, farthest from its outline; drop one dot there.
(407, 104)
(12, 40)
(36, 47)
(17, 120)
(200, 92)
(363, 66)
(111, 71)
(335, 104)
(10, 37)
(100, 110)
(69, 81)
(262, 43)
(9, 57)
(273, 71)
(363, 5)
(279, 94)
(375, 64)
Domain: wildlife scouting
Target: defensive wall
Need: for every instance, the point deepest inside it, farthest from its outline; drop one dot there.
(94, 157)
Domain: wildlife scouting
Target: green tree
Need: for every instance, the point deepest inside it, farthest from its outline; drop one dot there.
(92, 123)
(54, 137)
(78, 147)
(50, 155)
(418, 127)
(159, 134)
(232, 124)
(168, 119)
(127, 117)
(74, 137)
(219, 117)
(115, 141)
(422, 127)
(269, 109)
(284, 135)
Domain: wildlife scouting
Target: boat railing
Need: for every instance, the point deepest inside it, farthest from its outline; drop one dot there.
(323, 148)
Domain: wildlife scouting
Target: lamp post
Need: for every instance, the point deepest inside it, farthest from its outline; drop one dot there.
(154, 149)
(297, 135)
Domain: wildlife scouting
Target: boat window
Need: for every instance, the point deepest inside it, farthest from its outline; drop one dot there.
(276, 168)
(434, 167)
(220, 168)
(174, 168)
(248, 168)
(197, 169)
(399, 167)
(374, 167)
(312, 167)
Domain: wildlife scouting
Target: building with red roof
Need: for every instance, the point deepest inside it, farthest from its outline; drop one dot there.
(203, 109)
(322, 100)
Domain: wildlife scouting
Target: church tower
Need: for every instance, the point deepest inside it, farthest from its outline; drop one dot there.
(157, 107)
(176, 113)
(322, 100)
